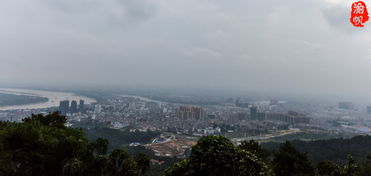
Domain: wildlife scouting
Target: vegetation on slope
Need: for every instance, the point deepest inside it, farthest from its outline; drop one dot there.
(42, 145)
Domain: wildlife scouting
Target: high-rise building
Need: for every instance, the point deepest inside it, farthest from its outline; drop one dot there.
(73, 108)
(273, 102)
(346, 105)
(193, 113)
(240, 103)
(254, 112)
(241, 116)
(290, 117)
(97, 108)
(64, 107)
(81, 106)
(368, 109)
(260, 116)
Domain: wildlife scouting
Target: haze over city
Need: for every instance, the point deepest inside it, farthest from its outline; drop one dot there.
(185, 88)
(294, 47)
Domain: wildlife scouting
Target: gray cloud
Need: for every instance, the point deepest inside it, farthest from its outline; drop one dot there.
(305, 46)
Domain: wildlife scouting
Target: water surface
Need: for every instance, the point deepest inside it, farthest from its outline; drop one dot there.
(54, 98)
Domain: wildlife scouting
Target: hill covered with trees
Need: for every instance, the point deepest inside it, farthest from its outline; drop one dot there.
(335, 150)
(43, 145)
(217, 156)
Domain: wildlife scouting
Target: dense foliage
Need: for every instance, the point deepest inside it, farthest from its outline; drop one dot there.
(335, 150)
(42, 145)
(288, 161)
(158, 168)
(218, 156)
(119, 137)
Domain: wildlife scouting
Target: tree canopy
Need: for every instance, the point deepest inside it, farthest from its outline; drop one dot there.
(43, 145)
(218, 156)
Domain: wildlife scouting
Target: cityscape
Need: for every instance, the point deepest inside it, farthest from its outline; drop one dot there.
(180, 125)
(185, 88)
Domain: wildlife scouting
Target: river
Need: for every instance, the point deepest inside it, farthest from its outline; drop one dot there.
(54, 98)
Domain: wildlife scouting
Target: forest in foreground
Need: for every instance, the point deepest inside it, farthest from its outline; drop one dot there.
(41, 145)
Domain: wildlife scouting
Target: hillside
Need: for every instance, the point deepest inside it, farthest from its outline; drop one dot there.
(335, 150)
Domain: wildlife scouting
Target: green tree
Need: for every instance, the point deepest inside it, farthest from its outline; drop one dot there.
(121, 164)
(365, 168)
(73, 167)
(216, 155)
(254, 147)
(53, 120)
(327, 168)
(143, 162)
(99, 146)
(43, 145)
(39, 146)
(290, 162)
(351, 167)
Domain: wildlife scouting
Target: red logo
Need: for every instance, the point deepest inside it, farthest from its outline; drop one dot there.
(359, 14)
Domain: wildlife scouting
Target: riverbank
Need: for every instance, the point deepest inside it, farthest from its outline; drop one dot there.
(53, 98)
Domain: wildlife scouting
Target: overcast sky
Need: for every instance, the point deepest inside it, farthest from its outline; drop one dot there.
(303, 46)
